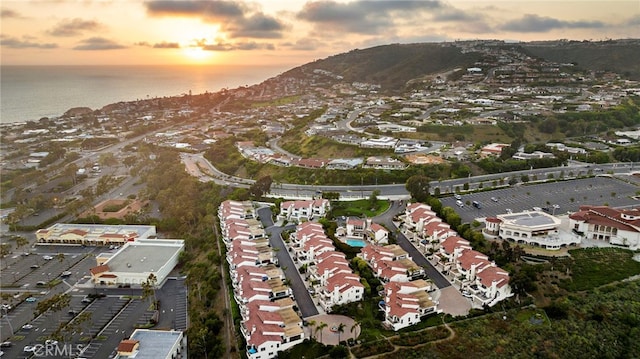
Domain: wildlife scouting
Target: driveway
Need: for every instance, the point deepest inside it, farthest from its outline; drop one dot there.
(329, 335)
(452, 302)
(302, 297)
(387, 219)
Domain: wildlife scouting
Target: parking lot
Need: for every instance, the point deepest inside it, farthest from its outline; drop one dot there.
(111, 317)
(567, 195)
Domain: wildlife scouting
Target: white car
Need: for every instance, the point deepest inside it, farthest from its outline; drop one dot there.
(47, 258)
(29, 348)
(27, 327)
(51, 342)
(457, 196)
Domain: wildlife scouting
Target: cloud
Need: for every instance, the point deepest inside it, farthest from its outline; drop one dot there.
(258, 25)
(74, 27)
(166, 45)
(229, 46)
(98, 43)
(159, 45)
(453, 14)
(234, 17)
(306, 44)
(633, 21)
(535, 23)
(15, 43)
(8, 14)
(363, 17)
(210, 10)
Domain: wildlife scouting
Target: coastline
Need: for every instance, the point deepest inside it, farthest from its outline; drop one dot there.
(33, 92)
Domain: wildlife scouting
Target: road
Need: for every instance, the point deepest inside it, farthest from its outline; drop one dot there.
(386, 219)
(302, 297)
(398, 191)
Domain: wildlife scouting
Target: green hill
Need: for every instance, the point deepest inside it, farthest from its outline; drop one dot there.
(394, 66)
(391, 66)
(620, 56)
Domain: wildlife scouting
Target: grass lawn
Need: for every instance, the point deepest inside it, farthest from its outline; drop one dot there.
(359, 208)
(593, 267)
(533, 316)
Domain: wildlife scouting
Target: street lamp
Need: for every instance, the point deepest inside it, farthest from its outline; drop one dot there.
(6, 315)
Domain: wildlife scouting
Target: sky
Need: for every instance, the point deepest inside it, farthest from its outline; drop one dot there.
(279, 32)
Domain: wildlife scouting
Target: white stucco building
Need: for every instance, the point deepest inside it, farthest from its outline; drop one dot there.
(132, 264)
(534, 228)
(611, 225)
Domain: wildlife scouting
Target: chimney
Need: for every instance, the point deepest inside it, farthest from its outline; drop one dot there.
(253, 329)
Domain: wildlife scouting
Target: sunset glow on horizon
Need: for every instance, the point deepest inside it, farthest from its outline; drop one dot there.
(136, 32)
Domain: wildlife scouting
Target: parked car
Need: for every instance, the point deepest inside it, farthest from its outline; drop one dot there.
(457, 196)
(6, 344)
(29, 349)
(41, 283)
(31, 299)
(65, 274)
(27, 327)
(47, 258)
(35, 266)
(494, 199)
(459, 203)
(6, 307)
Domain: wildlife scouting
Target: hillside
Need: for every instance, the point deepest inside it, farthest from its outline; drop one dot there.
(391, 66)
(620, 56)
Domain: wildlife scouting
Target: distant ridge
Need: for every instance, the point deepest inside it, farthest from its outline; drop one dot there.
(391, 66)
(394, 66)
(620, 56)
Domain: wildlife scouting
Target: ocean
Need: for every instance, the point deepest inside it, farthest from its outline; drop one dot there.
(29, 93)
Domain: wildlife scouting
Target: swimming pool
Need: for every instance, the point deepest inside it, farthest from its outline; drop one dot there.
(356, 242)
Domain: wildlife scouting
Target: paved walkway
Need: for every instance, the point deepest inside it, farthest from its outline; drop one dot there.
(329, 335)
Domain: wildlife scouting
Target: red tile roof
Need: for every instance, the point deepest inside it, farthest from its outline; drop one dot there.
(127, 345)
(451, 243)
(628, 220)
(470, 258)
(99, 269)
(493, 274)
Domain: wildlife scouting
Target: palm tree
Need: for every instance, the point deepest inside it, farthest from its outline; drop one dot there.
(320, 327)
(149, 288)
(341, 327)
(21, 241)
(311, 323)
(355, 325)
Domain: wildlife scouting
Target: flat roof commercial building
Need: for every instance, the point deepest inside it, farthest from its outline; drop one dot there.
(93, 234)
(132, 264)
(534, 228)
(152, 344)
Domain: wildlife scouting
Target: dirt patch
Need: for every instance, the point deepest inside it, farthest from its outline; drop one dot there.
(132, 207)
